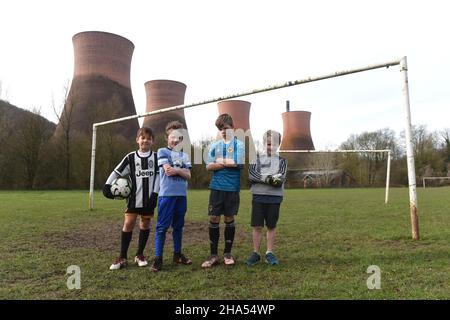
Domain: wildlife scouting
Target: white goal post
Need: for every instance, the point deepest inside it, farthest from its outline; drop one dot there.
(433, 178)
(388, 165)
(402, 63)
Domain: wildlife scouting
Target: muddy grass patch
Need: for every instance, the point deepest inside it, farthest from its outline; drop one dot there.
(106, 236)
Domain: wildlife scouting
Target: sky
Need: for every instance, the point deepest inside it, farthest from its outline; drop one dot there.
(219, 48)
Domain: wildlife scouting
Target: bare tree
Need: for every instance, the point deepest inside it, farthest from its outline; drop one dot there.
(373, 162)
(445, 135)
(64, 114)
(32, 133)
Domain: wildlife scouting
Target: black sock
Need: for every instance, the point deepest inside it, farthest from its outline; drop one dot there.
(229, 236)
(125, 243)
(214, 235)
(143, 237)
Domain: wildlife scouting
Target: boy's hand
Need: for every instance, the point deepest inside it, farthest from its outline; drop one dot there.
(226, 162)
(107, 191)
(170, 171)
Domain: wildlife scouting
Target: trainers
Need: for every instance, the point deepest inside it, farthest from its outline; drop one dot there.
(140, 260)
(271, 259)
(228, 259)
(211, 261)
(180, 258)
(253, 259)
(118, 264)
(157, 264)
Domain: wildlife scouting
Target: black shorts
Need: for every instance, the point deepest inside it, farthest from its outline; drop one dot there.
(268, 212)
(148, 212)
(223, 202)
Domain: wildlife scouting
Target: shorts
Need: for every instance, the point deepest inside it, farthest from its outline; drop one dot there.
(223, 202)
(141, 211)
(265, 212)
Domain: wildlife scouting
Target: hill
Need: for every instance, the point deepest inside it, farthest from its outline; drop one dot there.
(13, 115)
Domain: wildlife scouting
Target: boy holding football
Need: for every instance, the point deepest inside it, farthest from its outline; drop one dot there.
(141, 167)
(267, 176)
(225, 160)
(174, 170)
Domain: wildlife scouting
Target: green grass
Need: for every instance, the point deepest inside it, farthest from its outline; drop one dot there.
(325, 242)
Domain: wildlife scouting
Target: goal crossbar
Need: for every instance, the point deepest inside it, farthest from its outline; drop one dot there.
(433, 178)
(402, 62)
(388, 165)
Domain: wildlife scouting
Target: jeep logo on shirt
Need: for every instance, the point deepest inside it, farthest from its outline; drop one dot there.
(143, 173)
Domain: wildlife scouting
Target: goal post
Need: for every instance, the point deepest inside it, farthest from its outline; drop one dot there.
(402, 63)
(388, 160)
(432, 178)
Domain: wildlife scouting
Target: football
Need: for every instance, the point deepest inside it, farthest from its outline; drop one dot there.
(121, 188)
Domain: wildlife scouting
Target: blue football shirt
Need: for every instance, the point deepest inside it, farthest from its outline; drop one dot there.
(227, 179)
(174, 185)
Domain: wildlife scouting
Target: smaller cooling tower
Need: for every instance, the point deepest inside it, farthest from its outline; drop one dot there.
(163, 94)
(296, 131)
(239, 110)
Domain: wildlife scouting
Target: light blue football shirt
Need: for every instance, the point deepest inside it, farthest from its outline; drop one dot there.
(174, 185)
(227, 179)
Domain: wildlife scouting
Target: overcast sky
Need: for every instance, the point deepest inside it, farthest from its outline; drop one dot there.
(220, 48)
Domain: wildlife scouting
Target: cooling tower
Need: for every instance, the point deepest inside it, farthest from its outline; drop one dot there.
(239, 110)
(163, 94)
(100, 87)
(296, 131)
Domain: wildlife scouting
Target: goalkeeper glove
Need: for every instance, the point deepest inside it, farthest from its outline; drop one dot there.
(153, 201)
(107, 191)
(274, 181)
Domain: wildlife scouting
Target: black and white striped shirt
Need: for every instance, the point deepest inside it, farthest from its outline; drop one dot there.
(142, 168)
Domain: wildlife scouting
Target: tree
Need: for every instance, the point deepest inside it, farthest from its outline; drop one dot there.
(445, 136)
(33, 132)
(427, 159)
(64, 136)
(371, 166)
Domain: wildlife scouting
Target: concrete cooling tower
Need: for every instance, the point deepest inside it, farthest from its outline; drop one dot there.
(163, 94)
(100, 87)
(239, 110)
(296, 136)
(296, 131)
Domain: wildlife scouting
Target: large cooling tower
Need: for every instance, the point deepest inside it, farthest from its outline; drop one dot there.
(296, 131)
(162, 94)
(100, 87)
(239, 110)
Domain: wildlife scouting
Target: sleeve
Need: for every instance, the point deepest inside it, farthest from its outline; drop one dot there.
(157, 177)
(156, 188)
(186, 161)
(254, 175)
(123, 168)
(282, 169)
(211, 154)
(113, 176)
(163, 157)
(254, 172)
(240, 154)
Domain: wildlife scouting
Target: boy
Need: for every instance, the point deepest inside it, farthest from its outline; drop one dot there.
(225, 160)
(174, 170)
(141, 167)
(267, 176)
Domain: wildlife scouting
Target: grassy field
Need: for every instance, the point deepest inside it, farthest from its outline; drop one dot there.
(326, 240)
